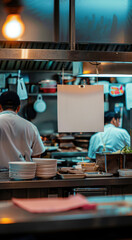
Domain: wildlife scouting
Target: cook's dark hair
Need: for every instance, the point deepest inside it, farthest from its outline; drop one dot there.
(9, 100)
(109, 115)
(5, 107)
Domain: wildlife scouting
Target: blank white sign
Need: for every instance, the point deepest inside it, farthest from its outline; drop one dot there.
(80, 109)
(128, 96)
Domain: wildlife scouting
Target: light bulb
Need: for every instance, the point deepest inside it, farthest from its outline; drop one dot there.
(13, 27)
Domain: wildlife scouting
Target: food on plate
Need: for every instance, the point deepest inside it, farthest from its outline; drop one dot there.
(89, 166)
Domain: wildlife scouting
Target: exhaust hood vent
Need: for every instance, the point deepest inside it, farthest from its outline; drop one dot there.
(34, 65)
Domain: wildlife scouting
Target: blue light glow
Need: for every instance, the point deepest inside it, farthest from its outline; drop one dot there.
(101, 20)
(102, 7)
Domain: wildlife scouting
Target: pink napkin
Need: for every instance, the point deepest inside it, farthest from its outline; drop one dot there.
(41, 205)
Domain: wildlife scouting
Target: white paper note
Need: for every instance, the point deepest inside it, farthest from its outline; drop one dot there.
(128, 96)
(80, 109)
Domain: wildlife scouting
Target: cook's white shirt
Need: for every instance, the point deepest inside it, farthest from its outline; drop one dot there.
(113, 137)
(19, 139)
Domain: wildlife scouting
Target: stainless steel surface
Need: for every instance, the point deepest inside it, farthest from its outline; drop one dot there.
(72, 39)
(108, 68)
(18, 50)
(42, 187)
(58, 183)
(63, 55)
(90, 191)
(113, 219)
(56, 20)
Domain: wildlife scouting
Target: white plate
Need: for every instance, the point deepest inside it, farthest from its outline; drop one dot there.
(20, 166)
(46, 172)
(46, 169)
(22, 169)
(51, 148)
(45, 160)
(21, 178)
(50, 173)
(21, 174)
(21, 163)
(46, 165)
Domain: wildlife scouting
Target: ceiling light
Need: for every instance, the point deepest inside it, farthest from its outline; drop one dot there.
(104, 75)
(13, 27)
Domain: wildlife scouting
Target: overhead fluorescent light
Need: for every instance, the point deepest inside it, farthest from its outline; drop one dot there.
(104, 75)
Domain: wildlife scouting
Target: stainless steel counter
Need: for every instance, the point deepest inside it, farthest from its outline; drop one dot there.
(111, 221)
(60, 187)
(68, 183)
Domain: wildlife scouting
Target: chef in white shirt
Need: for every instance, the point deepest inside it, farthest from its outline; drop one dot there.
(19, 138)
(112, 139)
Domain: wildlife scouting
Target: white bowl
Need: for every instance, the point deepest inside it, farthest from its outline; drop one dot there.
(41, 165)
(125, 172)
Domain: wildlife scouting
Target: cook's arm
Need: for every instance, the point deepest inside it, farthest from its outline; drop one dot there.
(90, 149)
(127, 138)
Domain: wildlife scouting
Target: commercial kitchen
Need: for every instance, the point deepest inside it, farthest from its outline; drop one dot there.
(70, 64)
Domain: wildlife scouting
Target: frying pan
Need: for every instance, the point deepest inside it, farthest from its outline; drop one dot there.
(28, 112)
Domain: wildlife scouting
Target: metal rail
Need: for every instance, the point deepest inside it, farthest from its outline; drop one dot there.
(72, 40)
(64, 55)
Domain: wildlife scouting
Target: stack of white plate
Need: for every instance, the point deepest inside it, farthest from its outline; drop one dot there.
(46, 167)
(22, 170)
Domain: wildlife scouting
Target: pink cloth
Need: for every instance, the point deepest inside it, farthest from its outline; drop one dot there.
(41, 205)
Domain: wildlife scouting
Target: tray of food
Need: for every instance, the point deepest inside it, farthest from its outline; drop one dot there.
(71, 175)
(70, 172)
(97, 174)
(89, 166)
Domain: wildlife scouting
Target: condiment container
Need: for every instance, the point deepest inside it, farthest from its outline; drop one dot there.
(125, 172)
(48, 86)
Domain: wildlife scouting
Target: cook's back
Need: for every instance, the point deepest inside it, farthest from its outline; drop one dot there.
(18, 138)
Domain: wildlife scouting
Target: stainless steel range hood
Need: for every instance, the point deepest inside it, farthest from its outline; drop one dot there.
(107, 69)
(51, 56)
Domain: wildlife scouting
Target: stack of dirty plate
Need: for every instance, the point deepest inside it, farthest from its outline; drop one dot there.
(22, 170)
(45, 167)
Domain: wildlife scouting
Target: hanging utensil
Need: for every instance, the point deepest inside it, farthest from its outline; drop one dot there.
(39, 105)
(21, 88)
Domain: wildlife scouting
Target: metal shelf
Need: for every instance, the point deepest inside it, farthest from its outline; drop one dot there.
(43, 94)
